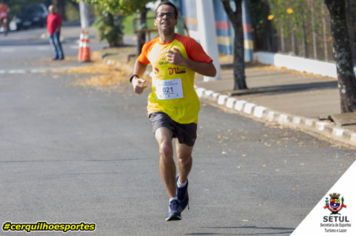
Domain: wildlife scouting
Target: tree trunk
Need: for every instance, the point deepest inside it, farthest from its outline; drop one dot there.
(313, 28)
(324, 35)
(294, 46)
(304, 38)
(343, 57)
(239, 57)
(352, 30)
(60, 5)
(305, 44)
(282, 38)
(141, 37)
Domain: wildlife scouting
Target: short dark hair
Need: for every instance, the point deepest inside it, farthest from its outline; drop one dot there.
(169, 4)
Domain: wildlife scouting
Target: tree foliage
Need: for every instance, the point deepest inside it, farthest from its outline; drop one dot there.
(124, 7)
(110, 29)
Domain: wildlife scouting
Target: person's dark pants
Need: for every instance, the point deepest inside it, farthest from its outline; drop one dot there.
(56, 44)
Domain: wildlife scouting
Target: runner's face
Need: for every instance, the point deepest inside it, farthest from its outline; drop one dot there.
(164, 22)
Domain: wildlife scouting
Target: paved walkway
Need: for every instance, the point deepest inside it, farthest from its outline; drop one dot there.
(299, 94)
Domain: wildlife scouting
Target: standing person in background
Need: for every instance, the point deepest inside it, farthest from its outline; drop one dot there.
(54, 23)
(181, 26)
(4, 15)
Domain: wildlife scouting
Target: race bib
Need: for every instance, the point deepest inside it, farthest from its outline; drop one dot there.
(169, 89)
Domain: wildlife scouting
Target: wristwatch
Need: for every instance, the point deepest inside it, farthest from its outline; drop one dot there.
(132, 76)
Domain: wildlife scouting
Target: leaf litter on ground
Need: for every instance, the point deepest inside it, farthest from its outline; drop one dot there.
(99, 74)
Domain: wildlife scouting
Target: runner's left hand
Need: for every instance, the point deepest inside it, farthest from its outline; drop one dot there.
(175, 57)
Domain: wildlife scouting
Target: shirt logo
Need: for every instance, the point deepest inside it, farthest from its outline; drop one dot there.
(176, 70)
(163, 61)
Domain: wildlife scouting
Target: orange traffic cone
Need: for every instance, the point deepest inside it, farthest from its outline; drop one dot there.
(80, 52)
(86, 48)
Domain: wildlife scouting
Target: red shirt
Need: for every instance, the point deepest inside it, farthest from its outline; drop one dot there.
(4, 11)
(53, 21)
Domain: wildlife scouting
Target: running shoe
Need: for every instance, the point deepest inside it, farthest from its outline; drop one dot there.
(174, 211)
(182, 195)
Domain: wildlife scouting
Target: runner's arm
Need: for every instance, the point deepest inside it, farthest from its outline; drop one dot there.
(137, 83)
(206, 69)
(175, 57)
(139, 69)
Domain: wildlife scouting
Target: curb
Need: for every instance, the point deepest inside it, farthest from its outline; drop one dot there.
(266, 115)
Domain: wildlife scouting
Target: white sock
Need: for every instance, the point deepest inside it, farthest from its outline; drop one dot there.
(173, 198)
(180, 185)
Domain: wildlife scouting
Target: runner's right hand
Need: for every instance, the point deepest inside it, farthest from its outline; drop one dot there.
(139, 85)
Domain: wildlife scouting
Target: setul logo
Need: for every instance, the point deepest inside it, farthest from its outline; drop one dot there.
(335, 222)
(335, 205)
(176, 70)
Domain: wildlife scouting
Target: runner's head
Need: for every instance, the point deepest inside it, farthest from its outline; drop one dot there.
(168, 3)
(166, 17)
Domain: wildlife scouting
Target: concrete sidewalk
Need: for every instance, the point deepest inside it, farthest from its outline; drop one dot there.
(293, 93)
(286, 97)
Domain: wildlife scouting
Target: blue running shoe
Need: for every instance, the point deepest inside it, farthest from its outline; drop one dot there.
(174, 211)
(182, 195)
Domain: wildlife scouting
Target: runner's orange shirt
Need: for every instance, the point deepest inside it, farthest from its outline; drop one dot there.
(173, 86)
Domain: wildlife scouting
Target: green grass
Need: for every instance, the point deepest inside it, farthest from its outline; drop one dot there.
(127, 22)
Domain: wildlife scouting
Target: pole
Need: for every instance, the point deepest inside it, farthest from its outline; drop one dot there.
(84, 17)
(247, 27)
(207, 31)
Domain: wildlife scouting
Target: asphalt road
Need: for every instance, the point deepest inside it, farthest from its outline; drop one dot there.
(72, 154)
(20, 49)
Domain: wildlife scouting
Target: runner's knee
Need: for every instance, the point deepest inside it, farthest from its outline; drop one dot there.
(184, 159)
(166, 150)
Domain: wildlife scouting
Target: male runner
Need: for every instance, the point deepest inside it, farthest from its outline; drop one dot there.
(4, 15)
(173, 105)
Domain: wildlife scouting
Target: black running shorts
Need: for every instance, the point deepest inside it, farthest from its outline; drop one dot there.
(186, 133)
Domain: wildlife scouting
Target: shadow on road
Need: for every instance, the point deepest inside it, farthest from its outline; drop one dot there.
(284, 88)
(286, 231)
(230, 66)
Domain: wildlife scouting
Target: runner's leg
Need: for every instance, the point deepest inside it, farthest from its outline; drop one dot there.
(184, 160)
(166, 163)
